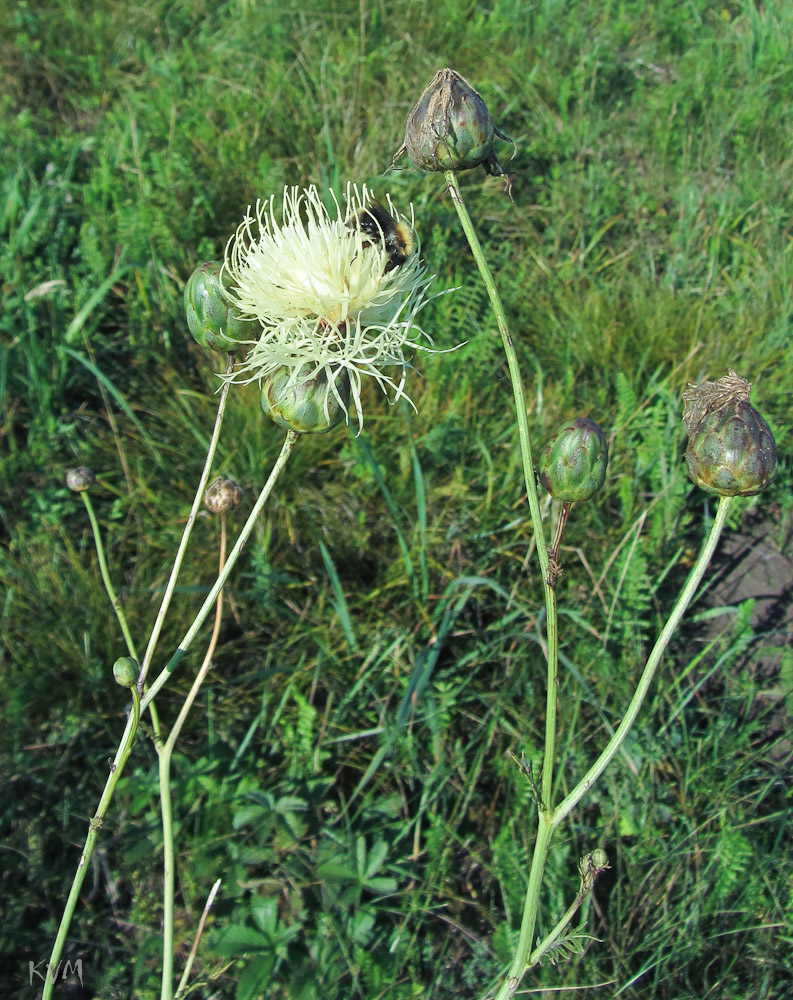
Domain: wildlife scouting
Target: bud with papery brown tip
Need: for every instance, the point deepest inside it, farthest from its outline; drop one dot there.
(731, 450)
(222, 494)
(450, 128)
(81, 479)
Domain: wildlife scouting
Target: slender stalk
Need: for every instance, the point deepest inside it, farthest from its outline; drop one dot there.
(550, 939)
(521, 413)
(549, 823)
(116, 603)
(512, 363)
(552, 686)
(166, 809)
(553, 552)
(116, 769)
(111, 593)
(188, 528)
(530, 908)
(168, 869)
(545, 830)
(138, 705)
(188, 702)
(128, 736)
(686, 596)
(206, 607)
(551, 700)
(194, 950)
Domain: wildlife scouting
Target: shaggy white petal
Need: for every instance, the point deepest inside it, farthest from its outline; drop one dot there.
(321, 293)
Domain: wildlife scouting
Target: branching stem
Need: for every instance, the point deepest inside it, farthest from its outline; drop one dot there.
(116, 769)
(548, 823)
(166, 807)
(206, 607)
(188, 528)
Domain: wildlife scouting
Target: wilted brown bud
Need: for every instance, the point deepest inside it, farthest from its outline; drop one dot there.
(80, 479)
(731, 450)
(222, 494)
(450, 128)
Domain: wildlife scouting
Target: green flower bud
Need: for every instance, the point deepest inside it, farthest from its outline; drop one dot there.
(80, 479)
(125, 671)
(731, 450)
(573, 466)
(599, 858)
(222, 494)
(214, 322)
(305, 403)
(450, 128)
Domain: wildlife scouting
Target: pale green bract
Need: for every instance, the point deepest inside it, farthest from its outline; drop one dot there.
(322, 297)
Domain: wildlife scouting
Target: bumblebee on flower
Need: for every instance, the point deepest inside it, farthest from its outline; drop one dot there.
(326, 300)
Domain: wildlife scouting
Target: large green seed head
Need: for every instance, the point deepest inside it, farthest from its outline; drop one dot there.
(573, 465)
(213, 321)
(309, 406)
(732, 452)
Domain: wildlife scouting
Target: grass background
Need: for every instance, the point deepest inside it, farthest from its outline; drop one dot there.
(347, 775)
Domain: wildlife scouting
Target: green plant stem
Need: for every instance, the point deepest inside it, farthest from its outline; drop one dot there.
(553, 553)
(111, 593)
(166, 808)
(168, 873)
(116, 769)
(116, 603)
(547, 824)
(545, 829)
(552, 684)
(125, 744)
(188, 528)
(512, 363)
(686, 596)
(139, 704)
(551, 700)
(530, 906)
(206, 607)
(521, 413)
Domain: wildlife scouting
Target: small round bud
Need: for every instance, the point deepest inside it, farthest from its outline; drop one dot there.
(573, 466)
(731, 450)
(80, 479)
(222, 494)
(599, 858)
(309, 405)
(450, 128)
(214, 322)
(125, 671)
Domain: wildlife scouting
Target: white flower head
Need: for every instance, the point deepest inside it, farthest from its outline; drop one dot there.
(328, 298)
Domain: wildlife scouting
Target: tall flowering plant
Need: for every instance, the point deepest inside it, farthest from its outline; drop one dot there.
(731, 452)
(314, 298)
(308, 303)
